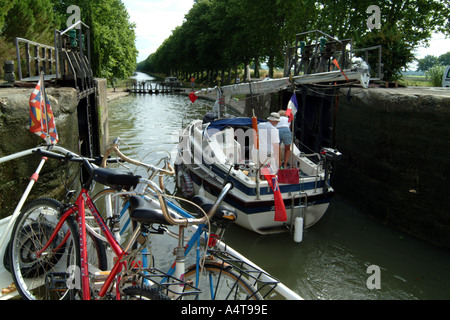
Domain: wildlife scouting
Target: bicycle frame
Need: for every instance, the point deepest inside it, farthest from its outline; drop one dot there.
(195, 239)
(178, 267)
(84, 200)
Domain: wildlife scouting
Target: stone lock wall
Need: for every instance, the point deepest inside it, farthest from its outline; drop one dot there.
(396, 157)
(15, 136)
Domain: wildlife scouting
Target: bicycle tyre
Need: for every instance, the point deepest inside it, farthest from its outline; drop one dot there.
(33, 226)
(226, 282)
(123, 226)
(143, 292)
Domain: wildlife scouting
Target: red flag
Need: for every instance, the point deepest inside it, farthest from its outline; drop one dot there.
(280, 209)
(192, 97)
(42, 120)
(337, 65)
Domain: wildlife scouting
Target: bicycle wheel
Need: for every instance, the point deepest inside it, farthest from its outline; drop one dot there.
(143, 293)
(120, 225)
(221, 283)
(49, 276)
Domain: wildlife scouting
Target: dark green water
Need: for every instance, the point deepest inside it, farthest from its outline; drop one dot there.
(333, 259)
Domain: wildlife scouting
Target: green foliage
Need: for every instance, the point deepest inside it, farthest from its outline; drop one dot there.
(5, 6)
(224, 34)
(396, 51)
(435, 74)
(404, 26)
(30, 18)
(113, 46)
(444, 59)
(426, 63)
(114, 37)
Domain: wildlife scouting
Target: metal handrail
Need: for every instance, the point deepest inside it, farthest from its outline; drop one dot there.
(53, 57)
(48, 52)
(378, 68)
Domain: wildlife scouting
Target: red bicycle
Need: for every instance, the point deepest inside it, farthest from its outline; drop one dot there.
(49, 247)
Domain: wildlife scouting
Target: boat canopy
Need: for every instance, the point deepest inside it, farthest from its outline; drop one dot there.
(238, 122)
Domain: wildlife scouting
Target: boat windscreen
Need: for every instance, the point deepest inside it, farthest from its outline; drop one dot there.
(238, 122)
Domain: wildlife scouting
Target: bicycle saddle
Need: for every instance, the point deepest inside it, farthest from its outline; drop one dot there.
(115, 178)
(223, 214)
(141, 211)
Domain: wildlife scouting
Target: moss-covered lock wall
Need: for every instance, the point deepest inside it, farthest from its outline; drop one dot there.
(396, 163)
(15, 136)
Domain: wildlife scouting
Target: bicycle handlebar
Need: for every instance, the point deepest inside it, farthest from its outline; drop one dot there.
(155, 170)
(169, 171)
(189, 221)
(69, 156)
(115, 148)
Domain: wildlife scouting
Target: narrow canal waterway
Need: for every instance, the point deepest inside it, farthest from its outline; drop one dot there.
(337, 257)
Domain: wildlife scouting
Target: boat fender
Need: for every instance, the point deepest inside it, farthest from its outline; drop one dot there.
(187, 187)
(298, 229)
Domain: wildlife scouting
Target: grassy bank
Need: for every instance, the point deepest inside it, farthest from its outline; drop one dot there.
(415, 81)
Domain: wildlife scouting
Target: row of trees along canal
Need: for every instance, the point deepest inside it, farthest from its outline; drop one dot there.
(113, 37)
(222, 36)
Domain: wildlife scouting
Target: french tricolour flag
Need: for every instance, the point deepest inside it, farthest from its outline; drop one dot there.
(292, 108)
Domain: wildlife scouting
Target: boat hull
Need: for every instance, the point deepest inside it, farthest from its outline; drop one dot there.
(208, 156)
(257, 213)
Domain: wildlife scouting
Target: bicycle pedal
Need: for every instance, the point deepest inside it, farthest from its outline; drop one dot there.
(101, 275)
(57, 281)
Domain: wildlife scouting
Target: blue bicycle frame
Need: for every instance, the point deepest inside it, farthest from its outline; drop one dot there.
(195, 239)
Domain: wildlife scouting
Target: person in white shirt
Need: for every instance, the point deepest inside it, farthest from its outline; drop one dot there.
(285, 136)
(269, 140)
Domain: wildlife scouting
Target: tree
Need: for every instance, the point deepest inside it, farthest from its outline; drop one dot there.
(405, 25)
(5, 6)
(397, 52)
(222, 34)
(113, 37)
(444, 59)
(426, 63)
(27, 19)
(30, 19)
(430, 61)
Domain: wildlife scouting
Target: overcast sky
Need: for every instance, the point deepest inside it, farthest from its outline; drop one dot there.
(155, 20)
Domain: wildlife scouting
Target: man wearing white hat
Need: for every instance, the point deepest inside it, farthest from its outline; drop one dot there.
(269, 141)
